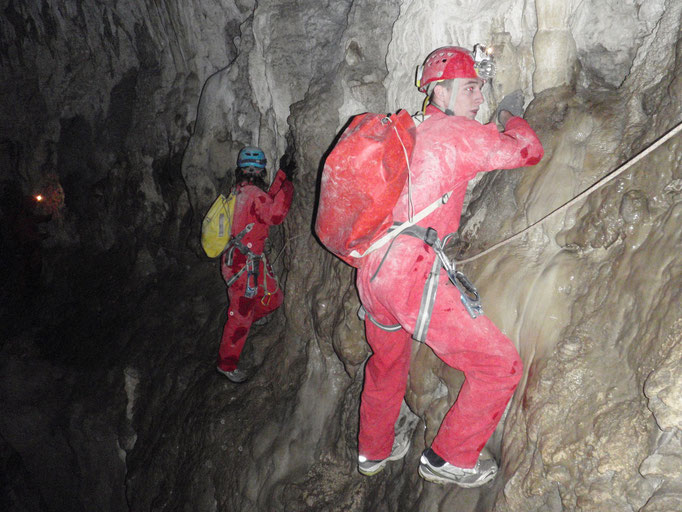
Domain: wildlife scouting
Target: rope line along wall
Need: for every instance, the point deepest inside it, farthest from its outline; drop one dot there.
(610, 176)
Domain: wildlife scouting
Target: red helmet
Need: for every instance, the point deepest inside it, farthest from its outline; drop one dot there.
(447, 63)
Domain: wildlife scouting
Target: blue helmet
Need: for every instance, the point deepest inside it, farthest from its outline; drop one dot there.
(251, 156)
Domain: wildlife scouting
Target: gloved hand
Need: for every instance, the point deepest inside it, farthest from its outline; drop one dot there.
(513, 103)
(288, 165)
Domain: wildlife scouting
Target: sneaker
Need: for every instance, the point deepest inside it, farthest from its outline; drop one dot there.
(433, 468)
(401, 445)
(237, 376)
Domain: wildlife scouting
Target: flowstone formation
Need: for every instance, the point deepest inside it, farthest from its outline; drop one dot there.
(129, 115)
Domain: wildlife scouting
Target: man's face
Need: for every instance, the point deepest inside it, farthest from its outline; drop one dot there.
(469, 97)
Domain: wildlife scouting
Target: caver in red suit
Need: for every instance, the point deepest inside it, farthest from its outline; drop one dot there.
(449, 151)
(262, 210)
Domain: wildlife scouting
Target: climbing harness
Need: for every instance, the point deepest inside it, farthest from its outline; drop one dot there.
(469, 296)
(251, 277)
(363, 314)
(468, 292)
(251, 267)
(609, 177)
(236, 243)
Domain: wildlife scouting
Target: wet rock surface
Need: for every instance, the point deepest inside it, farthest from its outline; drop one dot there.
(129, 116)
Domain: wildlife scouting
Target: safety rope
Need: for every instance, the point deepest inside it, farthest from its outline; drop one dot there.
(613, 174)
(284, 246)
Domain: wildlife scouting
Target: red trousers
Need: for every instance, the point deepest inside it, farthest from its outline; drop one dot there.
(241, 313)
(488, 359)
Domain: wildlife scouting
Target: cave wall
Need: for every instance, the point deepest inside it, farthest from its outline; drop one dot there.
(103, 96)
(136, 110)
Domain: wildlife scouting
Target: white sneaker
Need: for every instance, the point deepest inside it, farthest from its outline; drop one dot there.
(434, 469)
(237, 376)
(401, 445)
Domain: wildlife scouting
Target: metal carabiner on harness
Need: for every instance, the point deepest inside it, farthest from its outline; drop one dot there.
(467, 291)
(252, 275)
(267, 294)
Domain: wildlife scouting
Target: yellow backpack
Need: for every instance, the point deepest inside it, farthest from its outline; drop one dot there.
(216, 227)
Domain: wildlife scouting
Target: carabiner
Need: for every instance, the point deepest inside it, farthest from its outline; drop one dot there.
(467, 291)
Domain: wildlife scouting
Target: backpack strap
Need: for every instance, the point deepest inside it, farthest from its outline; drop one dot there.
(395, 230)
(234, 278)
(236, 243)
(419, 118)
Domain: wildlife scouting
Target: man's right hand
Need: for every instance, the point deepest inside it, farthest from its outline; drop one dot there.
(503, 117)
(511, 105)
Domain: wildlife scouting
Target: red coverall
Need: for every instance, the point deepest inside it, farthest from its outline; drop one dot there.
(263, 210)
(449, 151)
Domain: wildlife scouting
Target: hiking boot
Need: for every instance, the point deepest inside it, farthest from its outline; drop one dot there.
(433, 468)
(401, 445)
(237, 376)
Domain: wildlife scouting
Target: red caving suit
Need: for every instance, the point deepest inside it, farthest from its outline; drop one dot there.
(263, 210)
(449, 151)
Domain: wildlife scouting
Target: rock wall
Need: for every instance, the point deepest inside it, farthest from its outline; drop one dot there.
(131, 115)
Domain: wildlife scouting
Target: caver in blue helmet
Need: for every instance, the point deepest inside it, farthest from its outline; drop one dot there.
(251, 160)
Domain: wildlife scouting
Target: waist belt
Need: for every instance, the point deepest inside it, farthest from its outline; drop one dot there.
(468, 293)
(236, 243)
(252, 259)
(469, 296)
(252, 266)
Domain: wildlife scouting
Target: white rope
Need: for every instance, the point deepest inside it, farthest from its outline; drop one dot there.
(613, 174)
(284, 246)
(410, 205)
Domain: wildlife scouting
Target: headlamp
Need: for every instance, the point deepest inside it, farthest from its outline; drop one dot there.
(484, 61)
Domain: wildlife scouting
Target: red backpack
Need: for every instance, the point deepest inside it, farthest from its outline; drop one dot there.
(361, 182)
